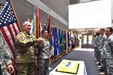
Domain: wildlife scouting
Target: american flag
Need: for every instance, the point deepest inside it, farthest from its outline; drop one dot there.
(9, 26)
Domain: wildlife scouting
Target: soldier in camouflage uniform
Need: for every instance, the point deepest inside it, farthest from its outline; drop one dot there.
(102, 40)
(25, 44)
(44, 55)
(6, 67)
(96, 46)
(108, 51)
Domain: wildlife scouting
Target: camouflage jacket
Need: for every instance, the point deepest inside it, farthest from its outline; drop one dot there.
(101, 41)
(44, 52)
(25, 48)
(108, 47)
(96, 42)
(5, 58)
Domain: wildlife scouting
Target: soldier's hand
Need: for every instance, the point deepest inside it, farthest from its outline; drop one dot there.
(10, 68)
(40, 42)
(40, 39)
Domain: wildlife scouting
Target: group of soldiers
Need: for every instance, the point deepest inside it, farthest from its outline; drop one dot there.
(103, 50)
(31, 54)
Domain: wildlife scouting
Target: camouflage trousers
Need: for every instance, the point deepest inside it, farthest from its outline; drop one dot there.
(43, 67)
(5, 72)
(25, 69)
(109, 66)
(103, 62)
(97, 53)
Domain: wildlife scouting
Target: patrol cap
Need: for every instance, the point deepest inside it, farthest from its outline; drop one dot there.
(26, 23)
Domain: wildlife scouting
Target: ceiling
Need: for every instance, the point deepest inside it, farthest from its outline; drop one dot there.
(79, 1)
(82, 30)
(85, 30)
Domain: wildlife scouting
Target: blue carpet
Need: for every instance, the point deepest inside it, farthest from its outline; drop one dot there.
(86, 56)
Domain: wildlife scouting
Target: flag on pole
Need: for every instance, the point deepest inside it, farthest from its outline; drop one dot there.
(62, 41)
(49, 28)
(70, 43)
(58, 33)
(55, 41)
(66, 40)
(52, 40)
(34, 28)
(9, 26)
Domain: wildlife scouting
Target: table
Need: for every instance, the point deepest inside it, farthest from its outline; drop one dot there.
(81, 70)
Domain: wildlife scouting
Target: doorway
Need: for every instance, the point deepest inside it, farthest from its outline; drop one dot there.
(86, 41)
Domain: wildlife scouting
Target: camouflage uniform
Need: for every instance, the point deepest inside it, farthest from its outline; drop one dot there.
(101, 42)
(108, 54)
(96, 47)
(4, 57)
(102, 60)
(43, 58)
(25, 53)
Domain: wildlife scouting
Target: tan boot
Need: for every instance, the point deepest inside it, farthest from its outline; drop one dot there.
(101, 73)
(97, 62)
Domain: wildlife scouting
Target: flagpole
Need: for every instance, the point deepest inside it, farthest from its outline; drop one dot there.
(15, 15)
(35, 22)
(38, 15)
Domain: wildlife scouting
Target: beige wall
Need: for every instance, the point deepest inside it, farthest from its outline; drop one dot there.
(24, 9)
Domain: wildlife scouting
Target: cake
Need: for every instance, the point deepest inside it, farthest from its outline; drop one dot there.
(68, 66)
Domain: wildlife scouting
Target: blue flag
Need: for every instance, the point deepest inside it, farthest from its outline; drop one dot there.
(58, 33)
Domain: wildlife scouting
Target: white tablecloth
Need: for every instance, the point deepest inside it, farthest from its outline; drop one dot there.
(81, 70)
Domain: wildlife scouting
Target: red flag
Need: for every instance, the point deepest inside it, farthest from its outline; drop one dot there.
(9, 26)
(38, 15)
(49, 26)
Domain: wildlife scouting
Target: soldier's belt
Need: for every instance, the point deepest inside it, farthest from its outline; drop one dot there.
(110, 58)
(23, 58)
(24, 61)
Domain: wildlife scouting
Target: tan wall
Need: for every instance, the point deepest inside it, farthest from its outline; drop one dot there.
(25, 9)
